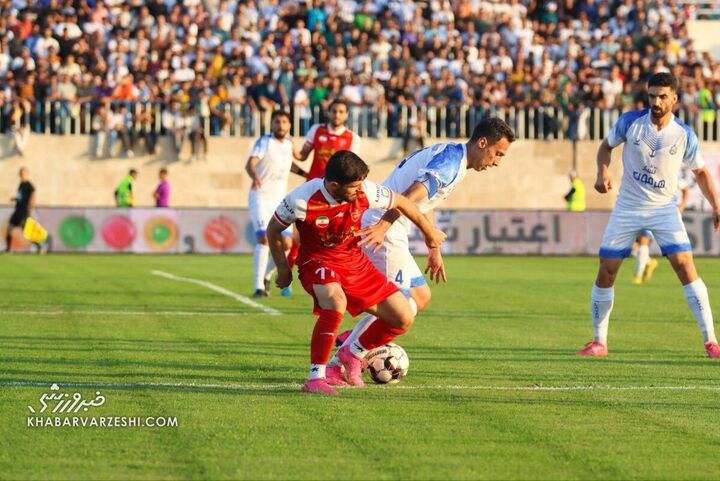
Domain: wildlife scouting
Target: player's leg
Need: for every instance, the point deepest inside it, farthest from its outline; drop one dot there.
(674, 243)
(642, 257)
(395, 260)
(394, 316)
(332, 303)
(615, 246)
(696, 295)
(261, 252)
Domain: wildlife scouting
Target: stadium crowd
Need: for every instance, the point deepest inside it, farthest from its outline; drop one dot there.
(258, 55)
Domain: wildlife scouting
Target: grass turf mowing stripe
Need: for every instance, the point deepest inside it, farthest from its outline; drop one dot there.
(284, 386)
(221, 290)
(122, 313)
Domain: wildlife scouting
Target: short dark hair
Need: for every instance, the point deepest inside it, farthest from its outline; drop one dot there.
(279, 113)
(493, 129)
(338, 101)
(663, 79)
(345, 167)
(163, 170)
(132, 171)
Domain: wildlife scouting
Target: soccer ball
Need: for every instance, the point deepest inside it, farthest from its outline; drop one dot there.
(387, 364)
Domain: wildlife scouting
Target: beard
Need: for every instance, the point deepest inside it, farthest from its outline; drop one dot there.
(657, 112)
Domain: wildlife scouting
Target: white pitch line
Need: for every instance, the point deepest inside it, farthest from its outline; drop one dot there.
(124, 313)
(284, 386)
(221, 290)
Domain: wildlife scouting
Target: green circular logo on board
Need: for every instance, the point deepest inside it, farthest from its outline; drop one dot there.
(76, 232)
(160, 233)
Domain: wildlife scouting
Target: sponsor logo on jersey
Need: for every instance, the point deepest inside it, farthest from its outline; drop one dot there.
(322, 221)
(385, 192)
(355, 214)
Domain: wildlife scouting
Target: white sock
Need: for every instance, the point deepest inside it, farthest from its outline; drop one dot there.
(270, 268)
(358, 350)
(317, 371)
(357, 331)
(413, 306)
(260, 260)
(601, 304)
(697, 298)
(642, 259)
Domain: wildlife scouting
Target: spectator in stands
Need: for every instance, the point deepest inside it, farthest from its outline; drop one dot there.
(145, 122)
(101, 126)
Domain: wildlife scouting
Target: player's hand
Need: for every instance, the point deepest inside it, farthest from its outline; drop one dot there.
(436, 266)
(603, 184)
(257, 183)
(373, 237)
(716, 219)
(284, 278)
(436, 239)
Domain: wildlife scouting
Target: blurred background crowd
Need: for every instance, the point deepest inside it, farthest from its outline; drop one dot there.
(211, 67)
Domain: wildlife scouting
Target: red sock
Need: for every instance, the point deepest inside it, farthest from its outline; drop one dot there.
(323, 336)
(378, 334)
(292, 255)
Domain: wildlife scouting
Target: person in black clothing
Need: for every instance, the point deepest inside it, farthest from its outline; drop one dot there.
(24, 203)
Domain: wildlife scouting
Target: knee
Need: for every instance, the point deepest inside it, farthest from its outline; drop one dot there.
(406, 319)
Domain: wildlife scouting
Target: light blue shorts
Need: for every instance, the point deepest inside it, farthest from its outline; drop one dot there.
(624, 226)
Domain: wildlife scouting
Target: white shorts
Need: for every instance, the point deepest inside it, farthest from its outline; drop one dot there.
(394, 258)
(262, 208)
(665, 223)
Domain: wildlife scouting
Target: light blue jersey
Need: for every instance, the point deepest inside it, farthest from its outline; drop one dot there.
(652, 159)
(440, 168)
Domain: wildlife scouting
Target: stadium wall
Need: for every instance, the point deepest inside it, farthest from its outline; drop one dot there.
(533, 175)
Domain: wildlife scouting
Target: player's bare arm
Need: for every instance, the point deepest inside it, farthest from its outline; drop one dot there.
(250, 167)
(374, 235)
(297, 170)
(302, 155)
(277, 250)
(433, 237)
(603, 184)
(707, 187)
(435, 264)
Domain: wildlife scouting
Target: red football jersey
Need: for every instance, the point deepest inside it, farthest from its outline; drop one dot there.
(327, 228)
(326, 143)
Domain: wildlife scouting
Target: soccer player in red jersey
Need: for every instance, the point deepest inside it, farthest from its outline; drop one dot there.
(332, 267)
(326, 139)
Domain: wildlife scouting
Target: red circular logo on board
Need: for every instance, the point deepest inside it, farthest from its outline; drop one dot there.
(119, 232)
(220, 233)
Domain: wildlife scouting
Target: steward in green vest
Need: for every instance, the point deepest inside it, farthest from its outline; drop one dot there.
(576, 196)
(124, 192)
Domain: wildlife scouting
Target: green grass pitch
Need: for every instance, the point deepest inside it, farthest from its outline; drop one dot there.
(494, 390)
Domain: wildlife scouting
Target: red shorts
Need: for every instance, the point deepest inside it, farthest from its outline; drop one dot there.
(363, 284)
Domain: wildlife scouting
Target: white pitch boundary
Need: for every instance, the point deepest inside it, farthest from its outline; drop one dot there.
(221, 290)
(285, 386)
(121, 313)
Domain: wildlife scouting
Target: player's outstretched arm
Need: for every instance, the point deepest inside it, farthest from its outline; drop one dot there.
(277, 250)
(433, 237)
(374, 235)
(603, 183)
(707, 187)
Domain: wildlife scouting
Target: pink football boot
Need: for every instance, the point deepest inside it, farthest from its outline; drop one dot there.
(593, 349)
